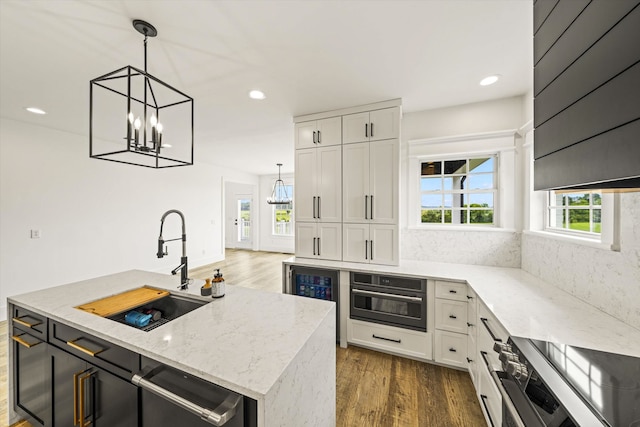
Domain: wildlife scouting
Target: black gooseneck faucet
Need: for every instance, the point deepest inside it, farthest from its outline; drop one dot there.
(184, 280)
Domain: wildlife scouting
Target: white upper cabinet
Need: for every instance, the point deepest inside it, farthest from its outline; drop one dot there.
(371, 126)
(318, 133)
(319, 240)
(370, 183)
(370, 243)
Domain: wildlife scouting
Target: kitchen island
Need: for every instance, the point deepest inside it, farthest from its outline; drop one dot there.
(276, 349)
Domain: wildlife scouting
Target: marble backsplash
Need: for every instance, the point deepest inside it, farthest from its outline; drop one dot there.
(492, 248)
(603, 278)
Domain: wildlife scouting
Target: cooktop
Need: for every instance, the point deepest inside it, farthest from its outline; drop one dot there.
(608, 382)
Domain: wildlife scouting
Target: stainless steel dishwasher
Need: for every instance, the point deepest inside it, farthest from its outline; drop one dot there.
(170, 397)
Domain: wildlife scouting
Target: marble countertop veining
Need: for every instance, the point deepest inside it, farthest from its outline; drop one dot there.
(524, 304)
(243, 341)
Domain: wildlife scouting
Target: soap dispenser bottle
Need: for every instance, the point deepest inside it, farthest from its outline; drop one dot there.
(217, 286)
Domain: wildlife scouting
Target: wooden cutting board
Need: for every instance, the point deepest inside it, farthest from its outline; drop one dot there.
(122, 302)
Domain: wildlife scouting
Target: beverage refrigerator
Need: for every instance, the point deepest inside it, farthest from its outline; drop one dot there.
(317, 283)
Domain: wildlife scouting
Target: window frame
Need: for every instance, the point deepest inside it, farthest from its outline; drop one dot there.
(453, 192)
(595, 236)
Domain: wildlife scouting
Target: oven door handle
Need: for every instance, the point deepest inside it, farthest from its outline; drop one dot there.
(218, 416)
(506, 400)
(384, 294)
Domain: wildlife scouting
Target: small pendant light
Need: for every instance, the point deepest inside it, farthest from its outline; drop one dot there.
(279, 193)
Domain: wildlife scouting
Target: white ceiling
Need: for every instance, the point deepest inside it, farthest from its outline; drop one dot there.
(306, 55)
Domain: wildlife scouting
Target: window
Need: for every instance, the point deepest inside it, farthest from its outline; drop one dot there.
(283, 215)
(575, 212)
(458, 191)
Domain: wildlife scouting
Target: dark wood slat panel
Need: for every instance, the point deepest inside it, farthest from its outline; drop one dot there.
(541, 10)
(611, 105)
(611, 155)
(558, 21)
(616, 51)
(596, 20)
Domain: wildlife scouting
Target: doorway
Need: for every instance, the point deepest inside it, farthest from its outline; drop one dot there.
(240, 216)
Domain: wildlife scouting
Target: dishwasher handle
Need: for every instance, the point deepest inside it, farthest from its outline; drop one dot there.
(218, 416)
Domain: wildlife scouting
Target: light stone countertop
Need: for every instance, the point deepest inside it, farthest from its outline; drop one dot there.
(244, 341)
(525, 305)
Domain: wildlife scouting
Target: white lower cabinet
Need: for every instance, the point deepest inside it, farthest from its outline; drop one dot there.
(389, 339)
(451, 348)
(370, 243)
(451, 324)
(489, 396)
(319, 240)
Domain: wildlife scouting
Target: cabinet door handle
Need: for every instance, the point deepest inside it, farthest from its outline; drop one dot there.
(453, 350)
(82, 415)
(371, 248)
(319, 215)
(314, 245)
(371, 210)
(469, 297)
(85, 350)
(366, 207)
(19, 340)
(366, 130)
(319, 140)
(486, 408)
(485, 322)
(470, 324)
(25, 323)
(386, 339)
(77, 419)
(366, 249)
(314, 136)
(453, 291)
(371, 130)
(318, 246)
(314, 206)
(451, 316)
(469, 360)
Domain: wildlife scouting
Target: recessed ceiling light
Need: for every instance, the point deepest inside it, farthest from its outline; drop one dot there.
(35, 110)
(489, 80)
(257, 94)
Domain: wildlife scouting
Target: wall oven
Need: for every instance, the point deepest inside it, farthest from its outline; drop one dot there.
(389, 300)
(545, 384)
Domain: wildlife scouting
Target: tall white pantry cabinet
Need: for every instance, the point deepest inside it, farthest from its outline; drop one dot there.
(346, 184)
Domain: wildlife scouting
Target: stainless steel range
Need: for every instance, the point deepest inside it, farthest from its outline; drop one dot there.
(545, 384)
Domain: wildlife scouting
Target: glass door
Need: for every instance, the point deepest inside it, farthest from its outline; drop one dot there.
(244, 230)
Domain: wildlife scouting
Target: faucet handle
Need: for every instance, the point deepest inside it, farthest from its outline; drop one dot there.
(166, 250)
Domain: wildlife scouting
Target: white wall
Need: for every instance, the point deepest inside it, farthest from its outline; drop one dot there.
(269, 242)
(95, 217)
(494, 247)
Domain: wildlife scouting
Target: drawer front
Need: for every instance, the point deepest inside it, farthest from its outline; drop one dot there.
(28, 321)
(391, 339)
(451, 315)
(451, 290)
(102, 353)
(451, 349)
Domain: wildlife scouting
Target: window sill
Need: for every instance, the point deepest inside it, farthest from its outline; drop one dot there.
(443, 227)
(570, 239)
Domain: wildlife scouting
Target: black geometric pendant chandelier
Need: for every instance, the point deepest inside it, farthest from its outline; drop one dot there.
(279, 193)
(137, 119)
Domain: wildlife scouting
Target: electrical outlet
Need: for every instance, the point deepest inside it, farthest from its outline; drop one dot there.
(35, 234)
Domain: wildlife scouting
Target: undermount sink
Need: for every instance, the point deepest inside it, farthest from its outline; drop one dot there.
(171, 307)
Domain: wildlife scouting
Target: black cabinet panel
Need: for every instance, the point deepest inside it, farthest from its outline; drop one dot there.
(31, 377)
(116, 359)
(541, 11)
(114, 402)
(614, 155)
(563, 15)
(611, 105)
(592, 24)
(65, 370)
(615, 52)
